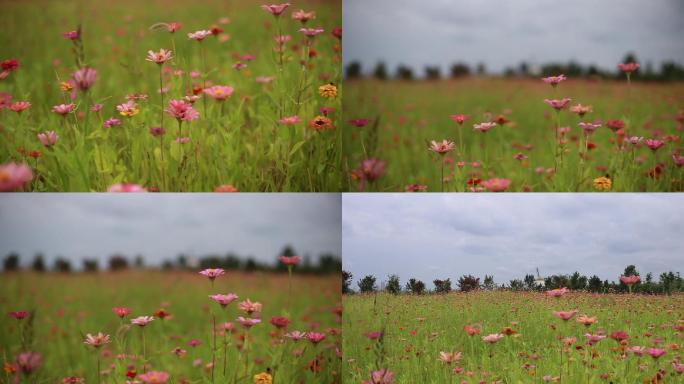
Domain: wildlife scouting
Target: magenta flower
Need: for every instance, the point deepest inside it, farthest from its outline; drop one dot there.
(111, 122)
(557, 292)
(121, 311)
(656, 352)
(628, 67)
(496, 184)
(296, 335)
(182, 110)
(289, 120)
(593, 339)
(565, 315)
(154, 377)
(248, 322)
(315, 337)
(28, 362)
(290, 260)
(159, 57)
(369, 170)
(19, 315)
(630, 280)
(443, 147)
(557, 104)
(212, 273)
(157, 131)
(128, 109)
(359, 123)
(199, 35)
(484, 127)
(96, 107)
(142, 321)
(275, 9)
(589, 128)
(459, 118)
(224, 300)
(311, 32)
(250, 307)
(84, 78)
(64, 109)
(48, 138)
(126, 188)
(71, 35)
(14, 176)
(654, 144)
(554, 80)
(678, 159)
(634, 140)
(219, 92)
(20, 106)
(383, 376)
(280, 322)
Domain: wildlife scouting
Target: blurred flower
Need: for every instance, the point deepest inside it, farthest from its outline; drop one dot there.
(199, 35)
(219, 92)
(320, 123)
(159, 57)
(315, 337)
(290, 260)
(154, 377)
(19, 106)
(111, 122)
(226, 188)
(125, 187)
(224, 300)
(296, 335)
(142, 321)
(121, 311)
(416, 188)
(654, 144)
(28, 362)
(84, 78)
(98, 340)
(496, 184)
(64, 109)
(182, 110)
(311, 32)
(96, 107)
(586, 320)
(212, 273)
(280, 321)
(554, 80)
(48, 138)
(565, 315)
(248, 322)
(459, 118)
(557, 104)
(589, 128)
(580, 109)
(263, 378)
(275, 9)
(289, 120)
(250, 307)
(19, 315)
(656, 352)
(14, 176)
(628, 67)
(128, 109)
(484, 127)
(328, 90)
(450, 357)
(493, 338)
(302, 16)
(442, 147)
(71, 35)
(630, 280)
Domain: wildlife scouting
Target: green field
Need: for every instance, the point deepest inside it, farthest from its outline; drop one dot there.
(238, 142)
(67, 307)
(538, 349)
(405, 116)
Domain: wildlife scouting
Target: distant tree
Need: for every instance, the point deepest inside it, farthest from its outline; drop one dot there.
(367, 284)
(459, 70)
(353, 70)
(11, 262)
(467, 283)
(524, 69)
(404, 72)
(488, 283)
(380, 71)
(231, 262)
(329, 263)
(139, 262)
(62, 265)
(117, 263)
(38, 264)
(595, 284)
(393, 285)
(529, 282)
(346, 282)
(556, 281)
(442, 286)
(516, 285)
(182, 261)
(90, 265)
(577, 281)
(433, 73)
(167, 265)
(415, 286)
(251, 265)
(481, 69)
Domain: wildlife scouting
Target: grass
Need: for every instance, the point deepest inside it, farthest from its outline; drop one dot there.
(406, 116)
(238, 142)
(66, 307)
(417, 328)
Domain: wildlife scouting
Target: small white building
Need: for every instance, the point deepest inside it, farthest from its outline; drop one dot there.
(539, 281)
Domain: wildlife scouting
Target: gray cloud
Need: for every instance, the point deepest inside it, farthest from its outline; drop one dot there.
(430, 236)
(502, 33)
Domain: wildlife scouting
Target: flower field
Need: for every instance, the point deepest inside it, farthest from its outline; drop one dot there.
(171, 97)
(513, 337)
(486, 134)
(170, 327)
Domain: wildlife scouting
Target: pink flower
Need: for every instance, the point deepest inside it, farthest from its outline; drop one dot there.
(459, 118)
(450, 357)
(19, 315)
(678, 367)
(142, 321)
(637, 350)
(112, 121)
(580, 109)
(275, 9)
(630, 280)
(212, 273)
(678, 159)
(248, 322)
(593, 339)
(589, 128)
(383, 376)
(126, 188)
(63, 109)
(496, 184)
(654, 144)
(280, 321)
(290, 260)
(199, 35)
(84, 78)
(264, 79)
(656, 352)
(182, 140)
(554, 80)
(182, 110)
(28, 362)
(154, 377)
(493, 338)
(96, 107)
(416, 188)
(557, 104)
(615, 125)
(14, 176)
(369, 170)
(71, 35)
(484, 127)
(520, 156)
(557, 292)
(442, 147)
(157, 131)
(48, 138)
(194, 343)
(628, 67)
(180, 352)
(374, 335)
(97, 340)
(296, 335)
(128, 109)
(219, 92)
(289, 120)
(173, 26)
(311, 32)
(359, 123)
(121, 311)
(302, 16)
(565, 315)
(19, 106)
(159, 57)
(250, 307)
(239, 66)
(224, 300)
(315, 337)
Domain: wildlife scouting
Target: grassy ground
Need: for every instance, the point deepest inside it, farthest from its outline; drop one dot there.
(406, 116)
(417, 328)
(67, 307)
(237, 142)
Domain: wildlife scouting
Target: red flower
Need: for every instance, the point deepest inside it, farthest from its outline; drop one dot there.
(10, 65)
(280, 322)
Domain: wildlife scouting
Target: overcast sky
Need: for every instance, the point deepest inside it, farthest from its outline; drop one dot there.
(160, 226)
(503, 33)
(430, 236)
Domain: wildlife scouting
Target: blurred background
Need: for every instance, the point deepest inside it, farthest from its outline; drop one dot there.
(91, 232)
(453, 38)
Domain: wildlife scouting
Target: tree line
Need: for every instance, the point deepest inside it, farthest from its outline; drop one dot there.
(667, 283)
(667, 71)
(325, 264)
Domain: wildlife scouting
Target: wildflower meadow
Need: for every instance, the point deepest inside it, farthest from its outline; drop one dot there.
(214, 326)
(549, 134)
(504, 336)
(170, 96)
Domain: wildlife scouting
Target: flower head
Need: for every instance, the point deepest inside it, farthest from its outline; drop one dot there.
(321, 123)
(126, 188)
(248, 322)
(72, 35)
(28, 362)
(603, 183)
(142, 321)
(328, 91)
(450, 357)
(630, 280)
(280, 321)
(296, 335)
(19, 106)
(654, 144)
(557, 104)
(160, 57)
(226, 188)
(565, 315)
(289, 120)
(459, 118)
(121, 311)
(493, 338)
(19, 315)
(656, 352)
(580, 109)
(48, 138)
(98, 340)
(554, 80)
(219, 92)
(263, 378)
(615, 125)
(589, 128)
(302, 16)
(593, 339)
(182, 111)
(154, 377)
(64, 109)
(586, 320)
(496, 184)
(84, 78)
(224, 300)
(199, 35)
(315, 337)
(250, 307)
(557, 292)
(212, 273)
(443, 147)
(290, 260)
(383, 376)
(128, 109)
(311, 32)
(14, 176)
(628, 67)
(275, 9)
(484, 127)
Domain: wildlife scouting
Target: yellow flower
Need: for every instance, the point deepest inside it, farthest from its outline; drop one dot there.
(328, 90)
(263, 378)
(65, 86)
(130, 112)
(603, 183)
